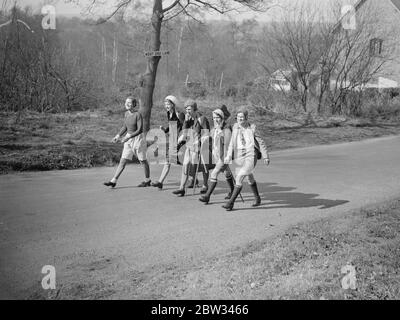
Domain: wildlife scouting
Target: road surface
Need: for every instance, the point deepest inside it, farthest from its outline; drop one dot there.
(68, 219)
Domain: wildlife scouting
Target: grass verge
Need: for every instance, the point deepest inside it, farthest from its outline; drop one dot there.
(304, 262)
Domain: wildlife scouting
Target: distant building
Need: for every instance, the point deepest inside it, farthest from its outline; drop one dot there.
(281, 80)
(383, 35)
(380, 38)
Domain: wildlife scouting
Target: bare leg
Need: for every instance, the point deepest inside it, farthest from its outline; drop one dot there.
(164, 172)
(146, 167)
(184, 176)
(120, 169)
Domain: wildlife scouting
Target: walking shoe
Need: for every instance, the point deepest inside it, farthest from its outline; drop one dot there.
(157, 184)
(228, 196)
(229, 205)
(257, 197)
(179, 192)
(206, 197)
(145, 184)
(204, 190)
(110, 184)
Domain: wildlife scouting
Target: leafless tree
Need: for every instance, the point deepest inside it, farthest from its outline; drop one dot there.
(163, 11)
(326, 61)
(293, 47)
(352, 61)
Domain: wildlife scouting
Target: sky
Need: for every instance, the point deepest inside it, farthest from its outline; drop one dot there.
(76, 8)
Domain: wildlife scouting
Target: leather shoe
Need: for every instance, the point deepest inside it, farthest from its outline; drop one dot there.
(144, 184)
(110, 184)
(179, 192)
(204, 190)
(157, 184)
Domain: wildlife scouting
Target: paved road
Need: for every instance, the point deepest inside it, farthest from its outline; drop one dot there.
(69, 220)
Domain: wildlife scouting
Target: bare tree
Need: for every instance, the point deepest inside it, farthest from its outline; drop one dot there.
(162, 12)
(351, 61)
(326, 61)
(293, 47)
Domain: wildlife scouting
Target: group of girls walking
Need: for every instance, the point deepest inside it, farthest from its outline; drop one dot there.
(207, 149)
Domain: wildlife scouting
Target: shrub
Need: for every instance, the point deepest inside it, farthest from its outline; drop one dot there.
(194, 90)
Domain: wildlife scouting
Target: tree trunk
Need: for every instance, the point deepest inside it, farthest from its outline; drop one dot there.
(149, 77)
(115, 59)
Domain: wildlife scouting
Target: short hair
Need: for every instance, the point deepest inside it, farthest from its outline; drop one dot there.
(243, 110)
(191, 103)
(134, 102)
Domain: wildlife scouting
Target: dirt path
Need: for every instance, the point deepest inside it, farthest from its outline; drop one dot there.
(92, 234)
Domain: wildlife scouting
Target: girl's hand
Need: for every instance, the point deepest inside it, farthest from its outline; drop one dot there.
(267, 161)
(115, 139)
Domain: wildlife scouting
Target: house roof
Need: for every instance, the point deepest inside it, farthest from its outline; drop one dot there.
(360, 3)
(396, 3)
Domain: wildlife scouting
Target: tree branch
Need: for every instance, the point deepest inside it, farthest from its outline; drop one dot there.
(171, 6)
(119, 7)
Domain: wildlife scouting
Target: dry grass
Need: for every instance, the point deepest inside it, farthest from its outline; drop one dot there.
(305, 262)
(33, 141)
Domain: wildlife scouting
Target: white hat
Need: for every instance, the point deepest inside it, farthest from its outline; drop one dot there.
(173, 99)
(220, 113)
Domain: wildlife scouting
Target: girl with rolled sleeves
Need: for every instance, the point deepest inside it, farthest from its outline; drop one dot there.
(247, 146)
(175, 120)
(221, 136)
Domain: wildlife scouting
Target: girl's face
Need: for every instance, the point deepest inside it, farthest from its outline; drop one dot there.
(169, 106)
(240, 118)
(189, 111)
(217, 120)
(128, 104)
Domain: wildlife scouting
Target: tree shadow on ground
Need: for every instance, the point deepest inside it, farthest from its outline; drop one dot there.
(274, 196)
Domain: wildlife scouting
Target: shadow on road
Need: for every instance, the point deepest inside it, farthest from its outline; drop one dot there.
(272, 195)
(275, 197)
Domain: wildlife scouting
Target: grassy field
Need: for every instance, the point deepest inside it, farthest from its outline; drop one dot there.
(33, 141)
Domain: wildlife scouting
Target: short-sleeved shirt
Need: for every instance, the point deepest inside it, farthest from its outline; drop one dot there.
(133, 124)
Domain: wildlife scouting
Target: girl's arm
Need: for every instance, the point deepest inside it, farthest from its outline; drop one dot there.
(262, 145)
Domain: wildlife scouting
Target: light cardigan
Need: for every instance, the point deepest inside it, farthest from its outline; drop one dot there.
(221, 138)
(259, 143)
